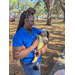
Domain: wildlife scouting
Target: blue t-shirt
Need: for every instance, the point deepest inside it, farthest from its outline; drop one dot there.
(24, 38)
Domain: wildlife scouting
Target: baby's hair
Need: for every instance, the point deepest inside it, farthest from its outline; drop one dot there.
(47, 34)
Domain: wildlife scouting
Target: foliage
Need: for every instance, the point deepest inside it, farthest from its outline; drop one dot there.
(40, 9)
(20, 5)
(57, 8)
(40, 6)
(12, 4)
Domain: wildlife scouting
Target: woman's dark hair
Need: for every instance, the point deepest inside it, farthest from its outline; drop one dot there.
(24, 15)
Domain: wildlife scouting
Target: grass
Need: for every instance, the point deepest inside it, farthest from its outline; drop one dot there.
(55, 46)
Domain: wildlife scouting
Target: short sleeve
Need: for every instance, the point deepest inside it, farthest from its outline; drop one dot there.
(17, 41)
(46, 38)
(38, 31)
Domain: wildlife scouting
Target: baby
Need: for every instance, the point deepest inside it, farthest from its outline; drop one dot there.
(43, 39)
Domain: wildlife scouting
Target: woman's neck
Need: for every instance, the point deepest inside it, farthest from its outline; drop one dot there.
(27, 30)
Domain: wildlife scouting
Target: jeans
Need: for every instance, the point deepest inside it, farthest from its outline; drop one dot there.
(28, 68)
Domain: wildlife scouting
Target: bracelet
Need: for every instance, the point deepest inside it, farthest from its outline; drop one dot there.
(32, 48)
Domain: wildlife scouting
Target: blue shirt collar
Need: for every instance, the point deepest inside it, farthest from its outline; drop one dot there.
(24, 30)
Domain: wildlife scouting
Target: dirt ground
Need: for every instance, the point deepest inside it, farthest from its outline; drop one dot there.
(55, 46)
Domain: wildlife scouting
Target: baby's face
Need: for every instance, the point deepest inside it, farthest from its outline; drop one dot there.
(43, 34)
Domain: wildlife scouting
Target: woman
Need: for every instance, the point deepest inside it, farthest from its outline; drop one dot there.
(25, 42)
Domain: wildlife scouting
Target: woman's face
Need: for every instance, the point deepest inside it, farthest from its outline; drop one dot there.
(30, 22)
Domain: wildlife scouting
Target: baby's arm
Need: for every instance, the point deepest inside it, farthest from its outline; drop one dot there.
(45, 39)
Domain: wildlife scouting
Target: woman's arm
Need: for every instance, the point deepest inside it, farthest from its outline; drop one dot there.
(40, 51)
(43, 49)
(21, 52)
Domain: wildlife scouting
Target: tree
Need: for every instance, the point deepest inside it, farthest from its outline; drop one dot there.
(20, 5)
(59, 7)
(16, 7)
(49, 6)
(57, 10)
(11, 3)
(62, 3)
(39, 9)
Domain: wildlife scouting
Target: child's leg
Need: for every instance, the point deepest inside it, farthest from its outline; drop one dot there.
(34, 53)
(35, 56)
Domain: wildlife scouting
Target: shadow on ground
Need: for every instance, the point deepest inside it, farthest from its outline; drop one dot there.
(55, 46)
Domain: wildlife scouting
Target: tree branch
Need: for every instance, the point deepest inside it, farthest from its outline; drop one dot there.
(62, 5)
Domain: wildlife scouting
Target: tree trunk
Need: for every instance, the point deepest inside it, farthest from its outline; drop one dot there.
(37, 17)
(18, 3)
(49, 10)
(64, 17)
(49, 19)
(57, 16)
(63, 8)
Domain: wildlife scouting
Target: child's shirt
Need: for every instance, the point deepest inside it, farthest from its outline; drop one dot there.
(41, 43)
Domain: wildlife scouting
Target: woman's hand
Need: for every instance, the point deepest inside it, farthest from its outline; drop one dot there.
(37, 53)
(35, 43)
(42, 50)
(37, 36)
